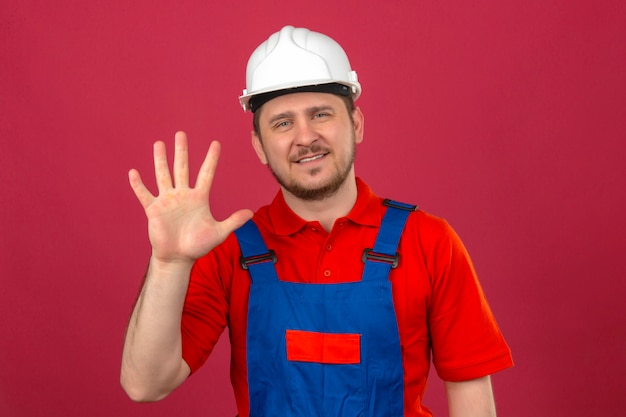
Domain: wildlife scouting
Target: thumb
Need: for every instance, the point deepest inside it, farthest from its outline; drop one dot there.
(236, 220)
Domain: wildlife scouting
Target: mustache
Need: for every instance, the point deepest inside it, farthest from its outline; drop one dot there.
(312, 149)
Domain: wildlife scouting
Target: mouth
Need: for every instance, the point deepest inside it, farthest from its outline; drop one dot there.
(311, 158)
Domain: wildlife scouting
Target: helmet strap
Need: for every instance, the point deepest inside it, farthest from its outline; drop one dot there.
(332, 88)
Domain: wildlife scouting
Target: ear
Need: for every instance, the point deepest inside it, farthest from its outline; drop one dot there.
(258, 148)
(359, 120)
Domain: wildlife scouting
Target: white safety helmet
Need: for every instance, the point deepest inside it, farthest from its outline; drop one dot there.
(293, 60)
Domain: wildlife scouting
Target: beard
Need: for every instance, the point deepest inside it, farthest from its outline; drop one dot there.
(325, 190)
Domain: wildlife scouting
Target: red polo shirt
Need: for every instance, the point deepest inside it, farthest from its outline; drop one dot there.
(439, 304)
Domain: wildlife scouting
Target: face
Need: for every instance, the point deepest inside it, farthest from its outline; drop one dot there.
(308, 142)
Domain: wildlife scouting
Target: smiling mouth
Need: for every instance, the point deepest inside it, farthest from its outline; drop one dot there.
(311, 158)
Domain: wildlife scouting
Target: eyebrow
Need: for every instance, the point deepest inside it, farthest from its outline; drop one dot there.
(290, 114)
(280, 116)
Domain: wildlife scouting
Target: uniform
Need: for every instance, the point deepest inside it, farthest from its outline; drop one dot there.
(438, 304)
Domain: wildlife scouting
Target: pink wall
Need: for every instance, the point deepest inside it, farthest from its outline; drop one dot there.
(506, 118)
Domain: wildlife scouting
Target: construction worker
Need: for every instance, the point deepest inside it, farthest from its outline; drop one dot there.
(336, 299)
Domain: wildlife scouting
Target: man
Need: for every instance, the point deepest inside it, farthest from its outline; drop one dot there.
(334, 298)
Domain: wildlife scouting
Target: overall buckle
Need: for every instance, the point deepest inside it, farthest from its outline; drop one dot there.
(380, 257)
(257, 259)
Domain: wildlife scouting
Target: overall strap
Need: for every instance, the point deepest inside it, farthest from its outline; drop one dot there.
(384, 255)
(255, 255)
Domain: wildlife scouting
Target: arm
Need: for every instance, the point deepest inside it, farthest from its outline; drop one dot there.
(152, 364)
(181, 229)
(472, 398)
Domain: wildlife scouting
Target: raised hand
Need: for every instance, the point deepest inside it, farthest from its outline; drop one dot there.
(180, 224)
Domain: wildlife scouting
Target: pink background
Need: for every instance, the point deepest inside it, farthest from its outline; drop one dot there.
(506, 118)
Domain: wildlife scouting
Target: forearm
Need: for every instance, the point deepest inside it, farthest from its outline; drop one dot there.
(471, 398)
(152, 364)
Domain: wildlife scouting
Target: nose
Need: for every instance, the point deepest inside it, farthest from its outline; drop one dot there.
(305, 133)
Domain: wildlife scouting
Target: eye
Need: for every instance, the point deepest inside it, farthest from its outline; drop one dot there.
(282, 124)
(320, 115)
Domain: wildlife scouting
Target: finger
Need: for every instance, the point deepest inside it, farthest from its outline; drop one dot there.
(236, 220)
(181, 160)
(161, 168)
(144, 196)
(207, 170)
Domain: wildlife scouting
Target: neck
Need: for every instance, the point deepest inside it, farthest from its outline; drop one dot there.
(327, 210)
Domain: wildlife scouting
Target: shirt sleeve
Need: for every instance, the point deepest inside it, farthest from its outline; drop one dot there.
(205, 312)
(466, 340)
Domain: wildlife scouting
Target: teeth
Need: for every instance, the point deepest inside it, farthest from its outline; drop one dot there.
(313, 158)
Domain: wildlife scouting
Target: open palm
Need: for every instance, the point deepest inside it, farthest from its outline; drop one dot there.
(180, 224)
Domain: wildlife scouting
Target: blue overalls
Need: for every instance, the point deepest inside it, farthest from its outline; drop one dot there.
(324, 350)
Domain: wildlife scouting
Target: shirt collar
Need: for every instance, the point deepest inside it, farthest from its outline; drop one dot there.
(366, 211)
